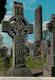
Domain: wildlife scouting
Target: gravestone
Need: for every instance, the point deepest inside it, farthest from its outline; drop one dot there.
(6, 61)
(18, 28)
(49, 67)
(44, 48)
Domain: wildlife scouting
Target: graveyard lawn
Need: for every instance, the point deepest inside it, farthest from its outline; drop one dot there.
(35, 63)
(2, 68)
(32, 63)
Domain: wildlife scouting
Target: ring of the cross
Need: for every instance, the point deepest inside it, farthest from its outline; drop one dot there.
(19, 24)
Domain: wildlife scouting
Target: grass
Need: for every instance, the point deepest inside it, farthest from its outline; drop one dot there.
(2, 68)
(35, 63)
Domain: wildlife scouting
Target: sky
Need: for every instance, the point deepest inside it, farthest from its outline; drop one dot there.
(48, 8)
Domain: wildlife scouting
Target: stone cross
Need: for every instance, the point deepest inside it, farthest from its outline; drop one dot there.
(49, 67)
(18, 28)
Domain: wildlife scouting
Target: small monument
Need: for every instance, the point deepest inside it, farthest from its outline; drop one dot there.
(18, 28)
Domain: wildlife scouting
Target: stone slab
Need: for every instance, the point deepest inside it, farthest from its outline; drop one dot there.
(19, 72)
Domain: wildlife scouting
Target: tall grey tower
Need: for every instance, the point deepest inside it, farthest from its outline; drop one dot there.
(38, 29)
(38, 23)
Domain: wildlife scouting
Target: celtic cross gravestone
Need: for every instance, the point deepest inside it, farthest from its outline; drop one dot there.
(18, 28)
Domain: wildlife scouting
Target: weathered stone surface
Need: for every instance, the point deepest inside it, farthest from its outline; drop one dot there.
(19, 72)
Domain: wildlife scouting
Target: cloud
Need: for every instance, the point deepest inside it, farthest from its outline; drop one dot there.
(45, 25)
(7, 17)
(30, 41)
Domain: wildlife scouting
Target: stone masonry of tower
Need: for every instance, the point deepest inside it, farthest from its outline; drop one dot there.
(38, 23)
(38, 29)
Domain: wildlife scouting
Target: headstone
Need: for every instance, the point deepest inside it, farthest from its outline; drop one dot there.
(18, 28)
(6, 61)
(44, 48)
(37, 48)
(3, 51)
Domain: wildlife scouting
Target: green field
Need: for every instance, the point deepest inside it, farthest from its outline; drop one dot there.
(30, 62)
(35, 62)
(2, 68)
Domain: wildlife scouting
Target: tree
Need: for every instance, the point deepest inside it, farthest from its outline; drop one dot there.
(2, 9)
